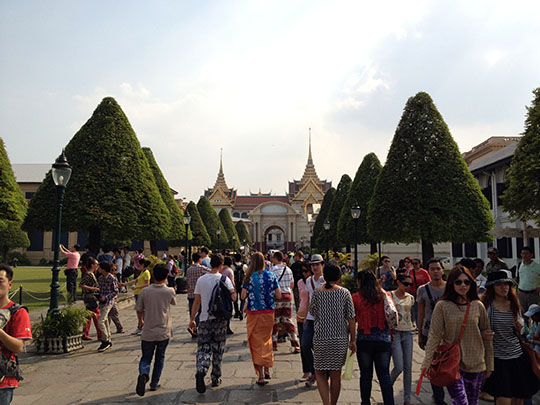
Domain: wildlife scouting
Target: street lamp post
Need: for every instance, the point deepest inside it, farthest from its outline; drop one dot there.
(187, 220)
(355, 213)
(326, 226)
(218, 233)
(61, 172)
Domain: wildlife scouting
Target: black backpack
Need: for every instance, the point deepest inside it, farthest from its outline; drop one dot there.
(9, 367)
(220, 305)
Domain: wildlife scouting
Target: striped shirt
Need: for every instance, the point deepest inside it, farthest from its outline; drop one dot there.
(285, 280)
(505, 341)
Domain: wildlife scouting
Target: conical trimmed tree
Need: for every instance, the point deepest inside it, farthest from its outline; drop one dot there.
(243, 234)
(198, 229)
(318, 228)
(521, 198)
(360, 193)
(112, 193)
(12, 207)
(425, 191)
(212, 223)
(177, 227)
(330, 238)
(228, 225)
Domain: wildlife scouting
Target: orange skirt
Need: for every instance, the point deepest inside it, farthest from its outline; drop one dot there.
(259, 332)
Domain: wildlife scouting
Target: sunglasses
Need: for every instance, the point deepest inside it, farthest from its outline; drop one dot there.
(459, 282)
(386, 261)
(415, 263)
(407, 261)
(406, 284)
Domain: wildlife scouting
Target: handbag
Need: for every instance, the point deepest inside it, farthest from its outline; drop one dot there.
(349, 363)
(444, 368)
(390, 311)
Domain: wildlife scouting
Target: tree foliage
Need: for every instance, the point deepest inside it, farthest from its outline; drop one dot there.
(330, 238)
(522, 196)
(212, 223)
(177, 228)
(228, 225)
(112, 193)
(197, 227)
(12, 237)
(318, 228)
(360, 193)
(243, 234)
(425, 190)
(12, 203)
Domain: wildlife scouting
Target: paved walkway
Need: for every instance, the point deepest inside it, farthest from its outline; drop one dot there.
(89, 377)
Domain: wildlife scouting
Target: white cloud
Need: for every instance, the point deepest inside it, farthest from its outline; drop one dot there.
(493, 57)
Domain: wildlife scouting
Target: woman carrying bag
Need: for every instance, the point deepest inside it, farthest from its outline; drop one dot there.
(459, 316)
(513, 379)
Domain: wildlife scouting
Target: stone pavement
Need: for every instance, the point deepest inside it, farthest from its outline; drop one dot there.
(89, 377)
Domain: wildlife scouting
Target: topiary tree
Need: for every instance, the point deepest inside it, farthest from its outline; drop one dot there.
(112, 193)
(198, 229)
(212, 223)
(425, 191)
(12, 203)
(243, 234)
(177, 228)
(522, 197)
(360, 193)
(12, 237)
(227, 222)
(318, 227)
(330, 238)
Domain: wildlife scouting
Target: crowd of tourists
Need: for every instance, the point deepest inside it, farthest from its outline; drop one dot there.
(482, 328)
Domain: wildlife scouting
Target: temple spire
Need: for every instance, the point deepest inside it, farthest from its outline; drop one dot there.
(221, 161)
(220, 182)
(310, 158)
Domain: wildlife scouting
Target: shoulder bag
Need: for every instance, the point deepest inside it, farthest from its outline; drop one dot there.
(390, 311)
(444, 368)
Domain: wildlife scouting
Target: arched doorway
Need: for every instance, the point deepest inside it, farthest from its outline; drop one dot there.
(274, 238)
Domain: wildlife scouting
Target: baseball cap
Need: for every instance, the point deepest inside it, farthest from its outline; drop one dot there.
(316, 259)
(533, 309)
(493, 250)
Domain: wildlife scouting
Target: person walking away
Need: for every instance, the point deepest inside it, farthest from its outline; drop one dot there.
(528, 279)
(239, 274)
(193, 273)
(512, 379)
(495, 263)
(386, 274)
(402, 344)
(173, 271)
(119, 263)
(312, 283)
(478, 277)
(334, 333)
(296, 268)
(142, 281)
(89, 287)
(301, 313)
(155, 303)
(114, 316)
(373, 339)
(427, 296)
(262, 289)
(460, 297)
(227, 271)
(72, 269)
(212, 332)
(108, 290)
(15, 329)
(283, 313)
(419, 277)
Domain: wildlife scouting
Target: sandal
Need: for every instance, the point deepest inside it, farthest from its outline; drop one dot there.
(263, 382)
(267, 374)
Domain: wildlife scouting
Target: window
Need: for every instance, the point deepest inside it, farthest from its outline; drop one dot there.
(137, 244)
(36, 241)
(236, 215)
(504, 245)
(29, 194)
(162, 245)
(82, 238)
(244, 215)
(457, 250)
(471, 250)
(269, 237)
(278, 237)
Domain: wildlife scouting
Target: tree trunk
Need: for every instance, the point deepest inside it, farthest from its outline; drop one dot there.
(153, 247)
(94, 240)
(373, 247)
(427, 251)
(348, 248)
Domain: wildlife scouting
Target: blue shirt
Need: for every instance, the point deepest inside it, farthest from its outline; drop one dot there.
(261, 289)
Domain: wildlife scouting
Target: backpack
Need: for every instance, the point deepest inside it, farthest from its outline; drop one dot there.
(174, 269)
(9, 367)
(220, 305)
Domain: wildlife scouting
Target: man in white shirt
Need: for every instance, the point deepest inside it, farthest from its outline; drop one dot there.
(283, 312)
(312, 283)
(212, 332)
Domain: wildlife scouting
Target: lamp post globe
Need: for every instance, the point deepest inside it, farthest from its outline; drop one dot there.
(355, 213)
(61, 173)
(326, 227)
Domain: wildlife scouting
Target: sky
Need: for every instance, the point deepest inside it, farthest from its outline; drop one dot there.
(251, 78)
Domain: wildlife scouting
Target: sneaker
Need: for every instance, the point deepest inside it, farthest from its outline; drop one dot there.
(136, 332)
(201, 387)
(155, 388)
(230, 332)
(104, 346)
(142, 379)
(216, 382)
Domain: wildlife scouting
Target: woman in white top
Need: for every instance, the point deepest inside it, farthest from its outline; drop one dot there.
(402, 345)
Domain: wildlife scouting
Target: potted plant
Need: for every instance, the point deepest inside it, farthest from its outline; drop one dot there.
(61, 333)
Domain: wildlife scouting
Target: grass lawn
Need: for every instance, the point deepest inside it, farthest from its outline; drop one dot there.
(37, 282)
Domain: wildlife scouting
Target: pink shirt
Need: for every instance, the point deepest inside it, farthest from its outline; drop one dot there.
(304, 295)
(229, 273)
(73, 259)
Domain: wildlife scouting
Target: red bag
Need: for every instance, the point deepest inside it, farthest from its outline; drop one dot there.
(444, 368)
